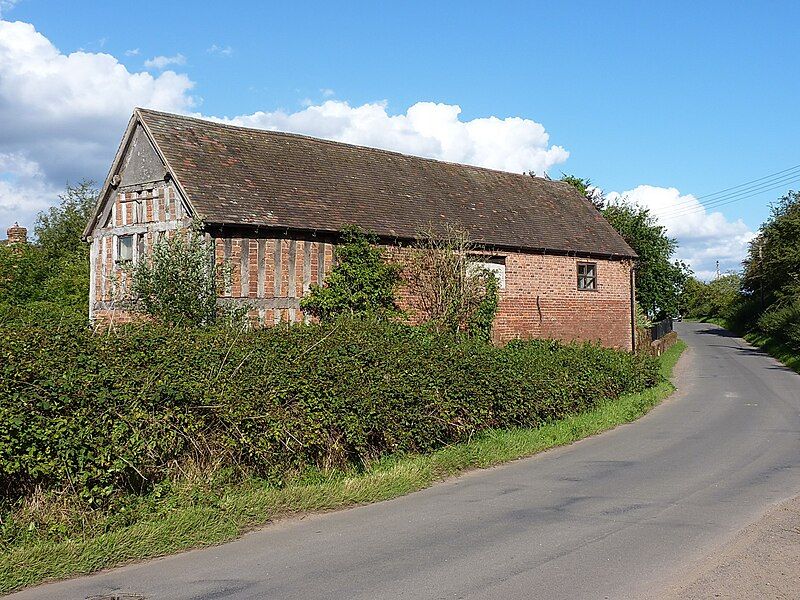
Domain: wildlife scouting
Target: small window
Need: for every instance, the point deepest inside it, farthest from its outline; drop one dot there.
(587, 276)
(493, 264)
(124, 248)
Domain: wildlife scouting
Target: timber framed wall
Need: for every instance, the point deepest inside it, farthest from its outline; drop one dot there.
(271, 274)
(145, 212)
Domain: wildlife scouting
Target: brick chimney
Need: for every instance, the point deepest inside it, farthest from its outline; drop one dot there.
(17, 234)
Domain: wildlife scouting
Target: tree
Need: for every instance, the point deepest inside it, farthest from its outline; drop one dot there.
(772, 267)
(447, 285)
(715, 299)
(362, 283)
(659, 279)
(592, 193)
(177, 282)
(60, 228)
(54, 268)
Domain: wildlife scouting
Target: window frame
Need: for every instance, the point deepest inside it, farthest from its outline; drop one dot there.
(119, 259)
(586, 277)
(499, 261)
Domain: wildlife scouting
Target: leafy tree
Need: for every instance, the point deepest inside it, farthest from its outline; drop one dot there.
(584, 186)
(773, 262)
(363, 282)
(177, 282)
(59, 229)
(54, 268)
(659, 279)
(716, 299)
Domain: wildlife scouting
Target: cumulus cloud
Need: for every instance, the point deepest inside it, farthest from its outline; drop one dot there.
(426, 129)
(61, 115)
(162, 62)
(24, 189)
(704, 236)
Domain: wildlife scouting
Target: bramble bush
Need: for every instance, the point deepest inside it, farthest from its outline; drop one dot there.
(99, 416)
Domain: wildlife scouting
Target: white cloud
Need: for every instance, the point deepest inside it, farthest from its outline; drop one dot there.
(327, 92)
(704, 236)
(62, 115)
(425, 129)
(220, 50)
(161, 62)
(23, 188)
(132, 52)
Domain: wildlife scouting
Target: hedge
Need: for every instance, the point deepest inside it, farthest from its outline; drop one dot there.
(100, 415)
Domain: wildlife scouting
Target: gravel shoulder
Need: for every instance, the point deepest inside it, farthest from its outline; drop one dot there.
(761, 561)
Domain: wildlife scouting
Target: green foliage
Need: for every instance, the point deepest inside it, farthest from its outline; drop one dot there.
(363, 282)
(60, 228)
(177, 282)
(659, 280)
(773, 262)
(481, 321)
(53, 268)
(104, 415)
(716, 299)
(782, 323)
(585, 187)
(51, 537)
(451, 289)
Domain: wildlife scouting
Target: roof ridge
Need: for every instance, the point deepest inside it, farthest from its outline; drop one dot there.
(312, 138)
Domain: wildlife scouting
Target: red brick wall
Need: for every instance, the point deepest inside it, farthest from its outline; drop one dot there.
(540, 298)
(272, 275)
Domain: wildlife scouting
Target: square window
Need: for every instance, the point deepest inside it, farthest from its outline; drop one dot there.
(587, 276)
(493, 264)
(124, 248)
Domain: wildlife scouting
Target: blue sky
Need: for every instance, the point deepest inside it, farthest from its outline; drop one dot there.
(644, 97)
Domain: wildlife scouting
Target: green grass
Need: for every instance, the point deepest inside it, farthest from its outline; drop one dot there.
(770, 345)
(776, 349)
(220, 515)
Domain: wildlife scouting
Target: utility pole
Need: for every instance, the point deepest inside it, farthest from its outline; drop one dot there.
(761, 271)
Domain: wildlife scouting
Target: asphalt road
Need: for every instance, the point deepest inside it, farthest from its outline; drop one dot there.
(614, 516)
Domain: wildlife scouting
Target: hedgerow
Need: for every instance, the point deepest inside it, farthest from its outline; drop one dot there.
(102, 415)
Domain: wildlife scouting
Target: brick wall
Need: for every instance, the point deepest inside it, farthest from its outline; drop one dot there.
(540, 298)
(272, 274)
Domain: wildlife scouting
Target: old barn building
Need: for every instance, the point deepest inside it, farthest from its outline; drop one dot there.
(274, 202)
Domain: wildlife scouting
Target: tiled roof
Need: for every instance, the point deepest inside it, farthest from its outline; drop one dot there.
(252, 177)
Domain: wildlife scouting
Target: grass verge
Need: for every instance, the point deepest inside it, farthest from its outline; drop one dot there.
(775, 349)
(222, 516)
(771, 346)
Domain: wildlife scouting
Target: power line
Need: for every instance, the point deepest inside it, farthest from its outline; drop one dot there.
(748, 182)
(676, 210)
(777, 177)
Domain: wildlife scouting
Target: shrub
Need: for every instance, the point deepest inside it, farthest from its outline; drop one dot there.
(448, 287)
(177, 282)
(782, 322)
(104, 415)
(363, 282)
